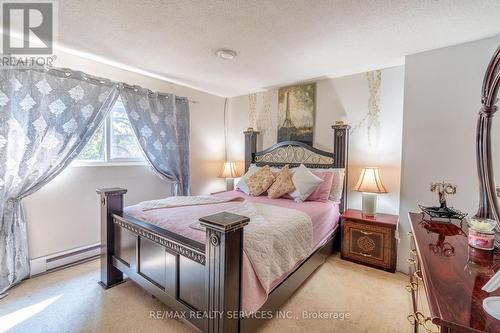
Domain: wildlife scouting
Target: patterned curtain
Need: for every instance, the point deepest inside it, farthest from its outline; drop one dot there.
(161, 124)
(46, 119)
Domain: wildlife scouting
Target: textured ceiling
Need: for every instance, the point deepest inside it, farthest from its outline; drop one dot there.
(278, 41)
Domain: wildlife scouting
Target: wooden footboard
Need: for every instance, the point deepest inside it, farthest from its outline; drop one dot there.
(200, 281)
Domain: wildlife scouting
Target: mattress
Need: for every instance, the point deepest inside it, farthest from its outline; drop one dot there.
(324, 217)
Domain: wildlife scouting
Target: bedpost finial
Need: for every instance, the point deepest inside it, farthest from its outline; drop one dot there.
(111, 191)
(339, 124)
(250, 130)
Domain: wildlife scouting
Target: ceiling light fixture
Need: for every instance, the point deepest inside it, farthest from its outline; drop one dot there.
(226, 54)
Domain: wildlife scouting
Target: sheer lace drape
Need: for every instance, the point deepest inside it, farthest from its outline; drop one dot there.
(46, 119)
(161, 123)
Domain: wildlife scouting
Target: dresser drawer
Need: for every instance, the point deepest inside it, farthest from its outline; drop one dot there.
(369, 244)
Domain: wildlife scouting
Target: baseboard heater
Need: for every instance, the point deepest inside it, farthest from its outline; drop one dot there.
(64, 259)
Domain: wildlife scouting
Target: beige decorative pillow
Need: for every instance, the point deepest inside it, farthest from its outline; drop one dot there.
(282, 185)
(260, 181)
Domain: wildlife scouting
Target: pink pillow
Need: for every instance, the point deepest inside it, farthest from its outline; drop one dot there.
(322, 193)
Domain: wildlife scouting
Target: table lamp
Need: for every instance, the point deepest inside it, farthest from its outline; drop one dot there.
(229, 172)
(370, 184)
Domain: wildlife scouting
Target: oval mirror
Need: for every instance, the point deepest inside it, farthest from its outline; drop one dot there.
(488, 200)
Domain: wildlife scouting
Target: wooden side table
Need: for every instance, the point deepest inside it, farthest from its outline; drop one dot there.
(368, 240)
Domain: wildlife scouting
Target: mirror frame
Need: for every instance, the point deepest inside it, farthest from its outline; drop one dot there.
(488, 202)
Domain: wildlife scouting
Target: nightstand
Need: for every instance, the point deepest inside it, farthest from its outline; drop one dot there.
(370, 240)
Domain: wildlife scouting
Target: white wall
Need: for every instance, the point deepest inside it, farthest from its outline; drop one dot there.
(442, 98)
(346, 99)
(64, 214)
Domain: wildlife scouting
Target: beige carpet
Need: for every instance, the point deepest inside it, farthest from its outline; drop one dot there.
(70, 300)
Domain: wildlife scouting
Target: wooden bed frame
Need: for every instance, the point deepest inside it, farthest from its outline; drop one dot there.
(203, 280)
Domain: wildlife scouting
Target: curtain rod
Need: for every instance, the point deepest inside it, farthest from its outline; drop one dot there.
(70, 72)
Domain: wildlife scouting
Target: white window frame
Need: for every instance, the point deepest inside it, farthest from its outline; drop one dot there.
(108, 161)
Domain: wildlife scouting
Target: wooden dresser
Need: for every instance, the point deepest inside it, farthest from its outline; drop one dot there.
(446, 277)
(370, 240)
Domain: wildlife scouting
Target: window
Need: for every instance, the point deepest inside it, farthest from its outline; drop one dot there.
(114, 141)
(123, 140)
(94, 150)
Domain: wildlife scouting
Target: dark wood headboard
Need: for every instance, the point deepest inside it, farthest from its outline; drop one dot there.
(295, 153)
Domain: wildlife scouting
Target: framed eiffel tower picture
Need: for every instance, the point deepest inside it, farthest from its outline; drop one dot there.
(296, 108)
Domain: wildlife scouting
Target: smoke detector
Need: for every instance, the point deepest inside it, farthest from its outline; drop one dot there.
(226, 54)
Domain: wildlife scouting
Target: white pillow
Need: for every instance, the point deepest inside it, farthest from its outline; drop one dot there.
(305, 183)
(242, 183)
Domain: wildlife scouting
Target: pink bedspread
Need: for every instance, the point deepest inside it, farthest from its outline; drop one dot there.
(324, 216)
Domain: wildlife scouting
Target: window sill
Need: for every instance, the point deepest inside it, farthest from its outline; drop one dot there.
(79, 164)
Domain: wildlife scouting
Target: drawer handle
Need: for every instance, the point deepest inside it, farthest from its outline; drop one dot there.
(413, 252)
(366, 232)
(411, 319)
(410, 233)
(425, 324)
(416, 318)
(418, 277)
(412, 261)
(411, 287)
(365, 254)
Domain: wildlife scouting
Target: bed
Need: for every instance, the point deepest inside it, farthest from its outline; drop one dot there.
(203, 270)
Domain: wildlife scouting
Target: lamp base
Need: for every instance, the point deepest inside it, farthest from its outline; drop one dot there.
(229, 184)
(369, 204)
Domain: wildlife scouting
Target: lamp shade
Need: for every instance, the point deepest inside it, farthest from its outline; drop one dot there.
(370, 181)
(229, 171)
